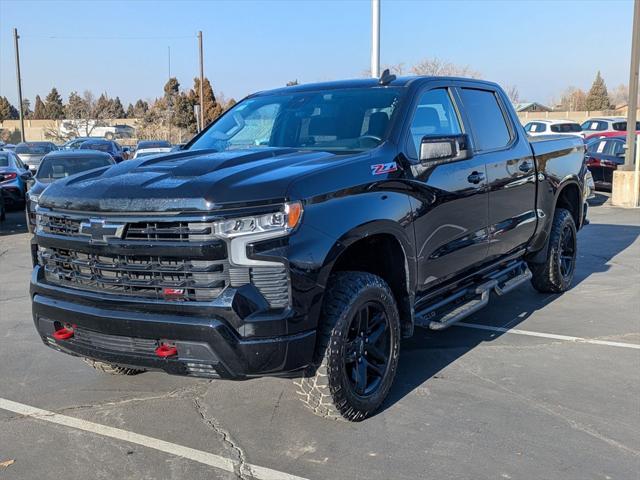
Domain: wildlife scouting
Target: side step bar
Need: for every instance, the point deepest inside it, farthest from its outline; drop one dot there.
(464, 302)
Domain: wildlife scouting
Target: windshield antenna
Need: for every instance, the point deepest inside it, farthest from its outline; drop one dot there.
(386, 78)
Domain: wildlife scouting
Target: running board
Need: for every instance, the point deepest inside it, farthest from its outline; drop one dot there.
(464, 302)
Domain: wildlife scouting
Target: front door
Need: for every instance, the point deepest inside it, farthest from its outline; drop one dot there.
(449, 200)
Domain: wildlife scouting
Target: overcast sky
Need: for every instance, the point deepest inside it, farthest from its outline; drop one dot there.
(122, 47)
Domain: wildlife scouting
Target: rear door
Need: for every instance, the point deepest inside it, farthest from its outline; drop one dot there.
(511, 172)
(449, 200)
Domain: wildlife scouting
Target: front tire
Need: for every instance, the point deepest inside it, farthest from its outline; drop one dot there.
(357, 351)
(111, 369)
(556, 273)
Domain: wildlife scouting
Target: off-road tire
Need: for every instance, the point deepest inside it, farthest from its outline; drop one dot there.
(548, 276)
(325, 387)
(109, 136)
(111, 369)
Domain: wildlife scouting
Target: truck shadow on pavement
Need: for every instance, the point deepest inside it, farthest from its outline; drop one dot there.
(14, 224)
(427, 353)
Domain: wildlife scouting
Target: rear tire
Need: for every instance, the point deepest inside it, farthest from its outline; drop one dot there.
(111, 369)
(556, 273)
(357, 350)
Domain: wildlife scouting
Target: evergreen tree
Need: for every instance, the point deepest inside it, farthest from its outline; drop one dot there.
(103, 107)
(53, 105)
(39, 110)
(117, 110)
(598, 97)
(140, 109)
(130, 111)
(183, 116)
(211, 108)
(77, 107)
(7, 111)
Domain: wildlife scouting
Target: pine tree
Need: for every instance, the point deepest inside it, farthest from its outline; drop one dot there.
(117, 110)
(211, 108)
(53, 105)
(130, 111)
(39, 110)
(103, 107)
(7, 111)
(598, 97)
(140, 108)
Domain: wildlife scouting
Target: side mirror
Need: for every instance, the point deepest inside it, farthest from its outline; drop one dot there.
(26, 175)
(435, 150)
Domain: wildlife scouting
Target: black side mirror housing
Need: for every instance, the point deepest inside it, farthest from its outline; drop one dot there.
(26, 175)
(439, 149)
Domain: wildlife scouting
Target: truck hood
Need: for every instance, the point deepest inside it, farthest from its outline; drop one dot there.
(203, 180)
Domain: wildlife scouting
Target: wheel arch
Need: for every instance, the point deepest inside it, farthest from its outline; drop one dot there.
(378, 248)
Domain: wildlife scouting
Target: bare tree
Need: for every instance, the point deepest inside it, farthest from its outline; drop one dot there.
(442, 68)
(513, 93)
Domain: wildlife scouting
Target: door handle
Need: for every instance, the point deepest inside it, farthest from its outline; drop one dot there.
(525, 167)
(475, 177)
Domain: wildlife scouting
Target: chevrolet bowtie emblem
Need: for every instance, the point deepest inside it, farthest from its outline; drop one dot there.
(100, 231)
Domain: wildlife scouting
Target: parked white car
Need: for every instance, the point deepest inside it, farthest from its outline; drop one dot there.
(94, 128)
(152, 147)
(553, 127)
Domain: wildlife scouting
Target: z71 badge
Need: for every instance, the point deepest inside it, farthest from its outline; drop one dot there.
(380, 168)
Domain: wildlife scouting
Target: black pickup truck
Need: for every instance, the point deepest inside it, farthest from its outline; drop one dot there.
(304, 233)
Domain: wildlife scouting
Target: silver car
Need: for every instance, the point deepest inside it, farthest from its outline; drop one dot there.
(31, 153)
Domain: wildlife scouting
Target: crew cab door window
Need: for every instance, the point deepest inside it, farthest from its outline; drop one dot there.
(489, 125)
(434, 115)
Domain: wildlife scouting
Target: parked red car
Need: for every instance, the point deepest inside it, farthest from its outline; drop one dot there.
(603, 157)
(606, 127)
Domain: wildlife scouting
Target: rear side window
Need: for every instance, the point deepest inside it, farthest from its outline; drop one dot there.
(535, 127)
(617, 148)
(594, 125)
(434, 115)
(489, 125)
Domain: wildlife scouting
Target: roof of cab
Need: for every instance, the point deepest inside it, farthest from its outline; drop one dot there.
(367, 83)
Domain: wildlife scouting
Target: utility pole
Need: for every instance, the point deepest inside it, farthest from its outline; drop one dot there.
(375, 38)
(15, 40)
(201, 81)
(633, 88)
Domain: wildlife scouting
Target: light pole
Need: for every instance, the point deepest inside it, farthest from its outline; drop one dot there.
(375, 38)
(19, 78)
(201, 80)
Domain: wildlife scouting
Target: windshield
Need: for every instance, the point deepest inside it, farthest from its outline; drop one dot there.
(154, 144)
(33, 148)
(60, 167)
(339, 121)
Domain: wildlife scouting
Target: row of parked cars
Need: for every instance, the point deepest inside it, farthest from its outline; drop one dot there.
(605, 139)
(28, 168)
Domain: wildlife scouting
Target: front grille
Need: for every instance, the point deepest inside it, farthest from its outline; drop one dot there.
(114, 343)
(148, 231)
(136, 275)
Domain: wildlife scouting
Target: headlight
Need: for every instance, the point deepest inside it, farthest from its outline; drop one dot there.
(245, 230)
(272, 224)
(34, 202)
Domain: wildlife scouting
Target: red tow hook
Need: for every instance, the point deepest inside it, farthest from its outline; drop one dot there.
(165, 351)
(64, 333)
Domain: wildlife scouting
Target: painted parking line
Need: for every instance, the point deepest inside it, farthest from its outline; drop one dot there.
(206, 458)
(553, 336)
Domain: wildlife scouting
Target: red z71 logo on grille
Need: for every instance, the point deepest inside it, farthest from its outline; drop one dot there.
(380, 168)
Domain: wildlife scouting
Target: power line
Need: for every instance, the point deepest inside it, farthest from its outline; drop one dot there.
(118, 37)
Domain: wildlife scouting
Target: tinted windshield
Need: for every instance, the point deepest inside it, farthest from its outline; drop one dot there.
(332, 120)
(566, 128)
(33, 148)
(4, 160)
(60, 167)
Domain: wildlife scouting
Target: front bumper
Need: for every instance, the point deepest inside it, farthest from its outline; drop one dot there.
(208, 340)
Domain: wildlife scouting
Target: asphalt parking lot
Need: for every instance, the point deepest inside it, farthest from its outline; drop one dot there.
(533, 387)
